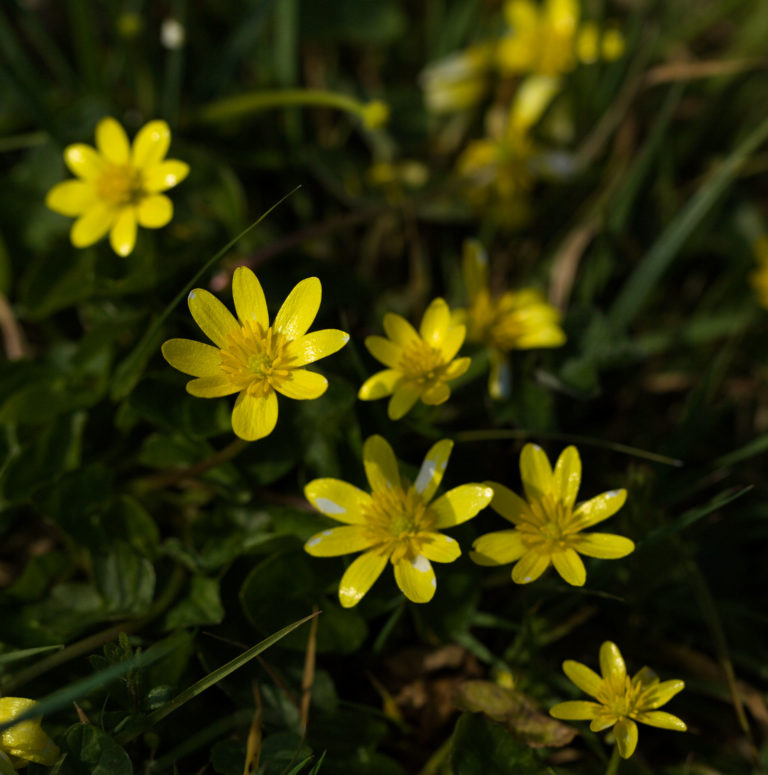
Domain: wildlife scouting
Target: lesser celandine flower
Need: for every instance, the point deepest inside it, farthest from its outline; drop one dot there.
(516, 320)
(548, 526)
(499, 168)
(420, 364)
(24, 742)
(621, 700)
(397, 522)
(251, 357)
(547, 38)
(119, 186)
(759, 278)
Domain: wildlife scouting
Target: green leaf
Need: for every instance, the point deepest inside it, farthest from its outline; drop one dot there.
(90, 751)
(124, 579)
(127, 520)
(202, 605)
(482, 747)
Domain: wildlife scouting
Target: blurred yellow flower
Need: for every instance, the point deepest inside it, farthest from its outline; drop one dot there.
(459, 81)
(420, 364)
(516, 320)
(499, 168)
(119, 186)
(396, 522)
(621, 700)
(548, 39)
(24, 742)
(251, 357)
(548, 526)
(759, 278)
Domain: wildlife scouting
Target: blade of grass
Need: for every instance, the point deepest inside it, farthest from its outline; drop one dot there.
(641, 282)
(754, 447)
(205, 683)
(130, 369)
(61, 698)
(15, 656)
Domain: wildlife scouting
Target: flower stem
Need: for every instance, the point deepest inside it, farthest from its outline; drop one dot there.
(613, 764)
(372, 113)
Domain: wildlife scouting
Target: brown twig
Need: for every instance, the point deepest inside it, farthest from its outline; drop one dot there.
(308, 676)
(14, 341)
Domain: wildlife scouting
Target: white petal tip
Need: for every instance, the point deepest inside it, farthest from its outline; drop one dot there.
(327, 506)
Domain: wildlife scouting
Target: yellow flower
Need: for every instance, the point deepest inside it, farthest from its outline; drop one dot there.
(420, 364)
(759, 278)
(621, 700)
(548, 526)
(24, 742)
(119, 186)
(499, 168)
(549, 40)
(251, 357)
(459, 81)
(396, 522)
(516, 320)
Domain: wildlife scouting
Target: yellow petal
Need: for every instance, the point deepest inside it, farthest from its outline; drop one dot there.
(529, 567)
(92, 225)
(405, 395)
(522, 16)
(603, 720)
(598, 508)
(575, 710)
(359, 577)
(563, 15)
(380, 385)
(338, 540)
(299, 309)
(511, 506)
(567, 476)
(613, 44)
(432, 469)
(151, 144)
(338, 499)
(380, 464)
(384, 351)
(436, 394)
(254, 417)
(122, 237)
(536, 472)
(435, 323)
(319, 344)
(603, 545)
(250, 302)
(658, 718)
(302, 385)
(112, 141)
(416, 579)
(72, 197)
(440, 548)
(660, 694)
(214, 319)
(584, 677)
(625, 732)
(452, 341)
(83, 161)
(193, 358)
(474, 267)
(612, 663)
(460, 504)
(400, 331)
(588, 43)
(456, 368)
(211, 387)
(27, 741)
(498, 548)
(569, 565)
(533, 97)
(13, 707)
(164, 175)
(154, 212)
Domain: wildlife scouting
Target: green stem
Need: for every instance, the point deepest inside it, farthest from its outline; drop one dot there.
(613, 764)
(254, 102)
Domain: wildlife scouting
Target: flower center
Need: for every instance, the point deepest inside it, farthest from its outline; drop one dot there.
(120, 184)
(619, 695)
(397, 520)
(256, 360)
(551, 526)
(421, 363)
